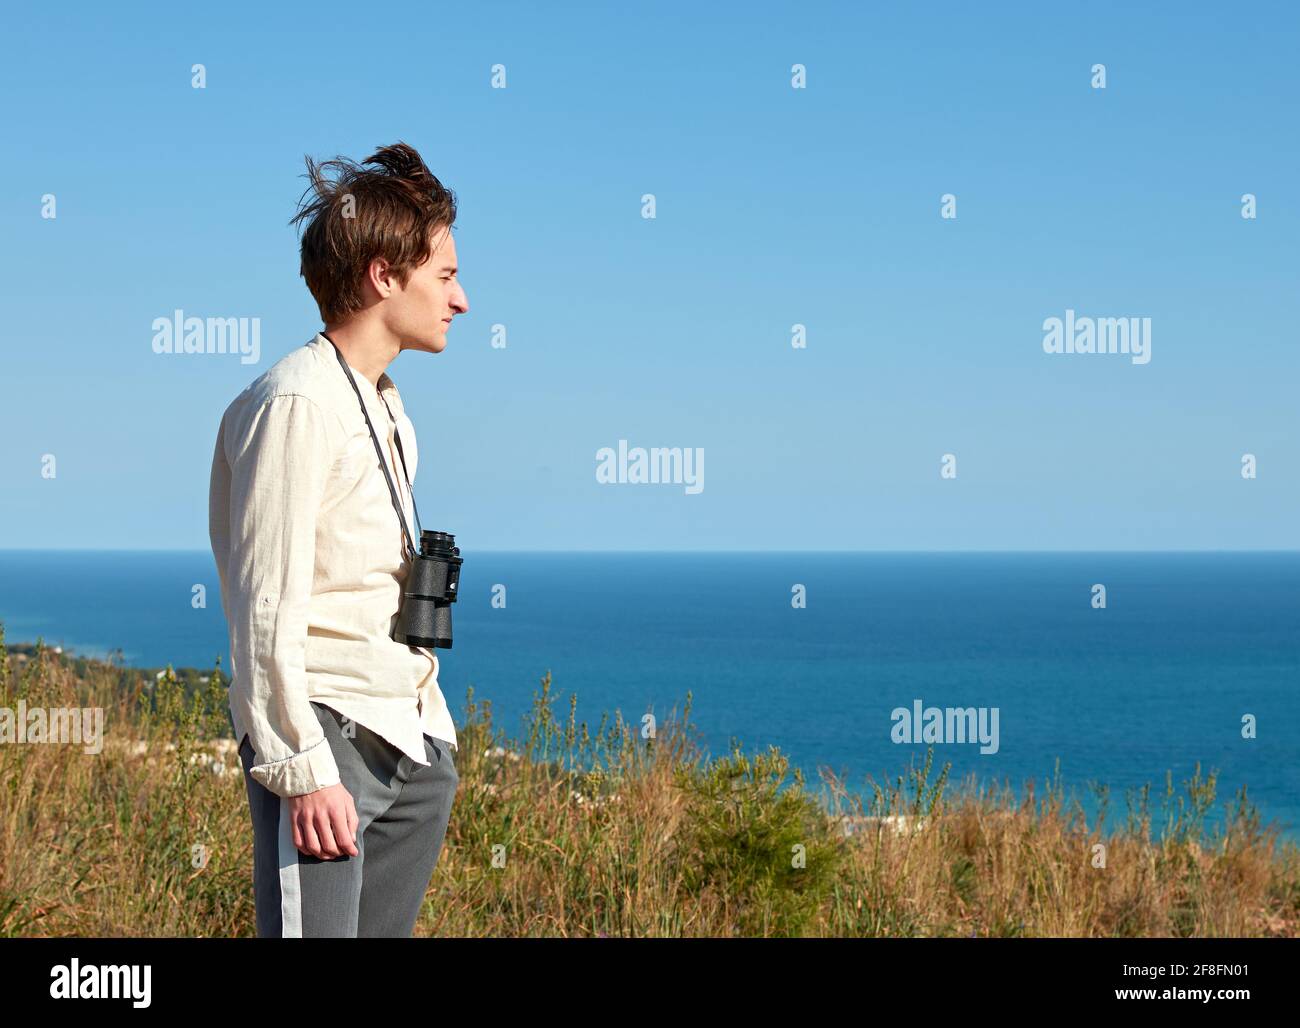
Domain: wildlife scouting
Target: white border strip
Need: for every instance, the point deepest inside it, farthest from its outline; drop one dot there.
(290, 883)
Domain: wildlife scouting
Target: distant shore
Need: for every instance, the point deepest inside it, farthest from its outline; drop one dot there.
(19, 654)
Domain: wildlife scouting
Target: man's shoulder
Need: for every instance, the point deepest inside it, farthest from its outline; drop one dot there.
(302, 375)
(303, 372)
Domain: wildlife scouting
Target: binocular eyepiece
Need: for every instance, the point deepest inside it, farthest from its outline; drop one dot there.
(425, 615)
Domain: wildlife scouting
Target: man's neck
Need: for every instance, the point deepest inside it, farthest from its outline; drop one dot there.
(367, 348)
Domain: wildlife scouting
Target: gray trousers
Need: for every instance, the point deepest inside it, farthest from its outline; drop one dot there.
(402, 808)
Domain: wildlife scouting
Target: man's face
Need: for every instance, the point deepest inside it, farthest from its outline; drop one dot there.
(421, 313)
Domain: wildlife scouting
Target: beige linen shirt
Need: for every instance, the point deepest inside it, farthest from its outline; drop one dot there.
(312, 562)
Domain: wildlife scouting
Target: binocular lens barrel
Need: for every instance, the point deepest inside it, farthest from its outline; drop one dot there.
(425, 617)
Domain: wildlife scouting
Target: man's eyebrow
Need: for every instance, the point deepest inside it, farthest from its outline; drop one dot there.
(449, 267)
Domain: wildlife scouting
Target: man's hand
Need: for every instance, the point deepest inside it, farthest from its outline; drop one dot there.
(324, 822)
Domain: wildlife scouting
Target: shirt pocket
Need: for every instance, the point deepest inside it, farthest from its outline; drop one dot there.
(344, 543)
(358, 453)
(349, 476)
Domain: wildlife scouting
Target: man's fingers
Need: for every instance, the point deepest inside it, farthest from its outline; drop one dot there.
(310, 843)
(326, 833)
(353, 820)
(325, 824)
(343, 833)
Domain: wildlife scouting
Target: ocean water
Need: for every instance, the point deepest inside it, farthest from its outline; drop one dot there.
(1160, 679)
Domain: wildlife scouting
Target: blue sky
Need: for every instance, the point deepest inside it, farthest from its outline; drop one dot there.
(775, 206)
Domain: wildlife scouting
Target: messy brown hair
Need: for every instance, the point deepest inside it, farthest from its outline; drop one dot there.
(390, 206)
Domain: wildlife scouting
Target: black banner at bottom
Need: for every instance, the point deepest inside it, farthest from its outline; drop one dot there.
(143, 977)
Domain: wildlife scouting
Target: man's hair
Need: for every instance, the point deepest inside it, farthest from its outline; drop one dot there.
(389, 206)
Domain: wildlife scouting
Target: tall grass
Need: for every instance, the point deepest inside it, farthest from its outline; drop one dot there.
(568, 830)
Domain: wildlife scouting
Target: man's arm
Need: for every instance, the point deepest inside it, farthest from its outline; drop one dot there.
(278, 464)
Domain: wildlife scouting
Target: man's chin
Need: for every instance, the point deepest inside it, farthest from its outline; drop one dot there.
(435, 345)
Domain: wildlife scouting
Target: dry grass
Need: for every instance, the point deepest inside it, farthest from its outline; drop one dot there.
(576, 832)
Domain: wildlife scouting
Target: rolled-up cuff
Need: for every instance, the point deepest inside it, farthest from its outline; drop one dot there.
(312, 769)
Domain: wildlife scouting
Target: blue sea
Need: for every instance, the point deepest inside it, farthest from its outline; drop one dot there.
(1161, 678)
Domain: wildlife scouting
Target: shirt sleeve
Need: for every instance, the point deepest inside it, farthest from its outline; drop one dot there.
(278, 469)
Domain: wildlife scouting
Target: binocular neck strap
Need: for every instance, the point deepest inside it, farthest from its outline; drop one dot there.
(392, 489)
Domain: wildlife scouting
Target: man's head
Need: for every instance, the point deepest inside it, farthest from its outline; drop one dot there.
(378, 245)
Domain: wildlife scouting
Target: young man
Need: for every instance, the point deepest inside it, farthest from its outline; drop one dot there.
(344, 734)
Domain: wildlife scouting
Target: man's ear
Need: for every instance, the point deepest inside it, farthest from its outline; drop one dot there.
(381, 277)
